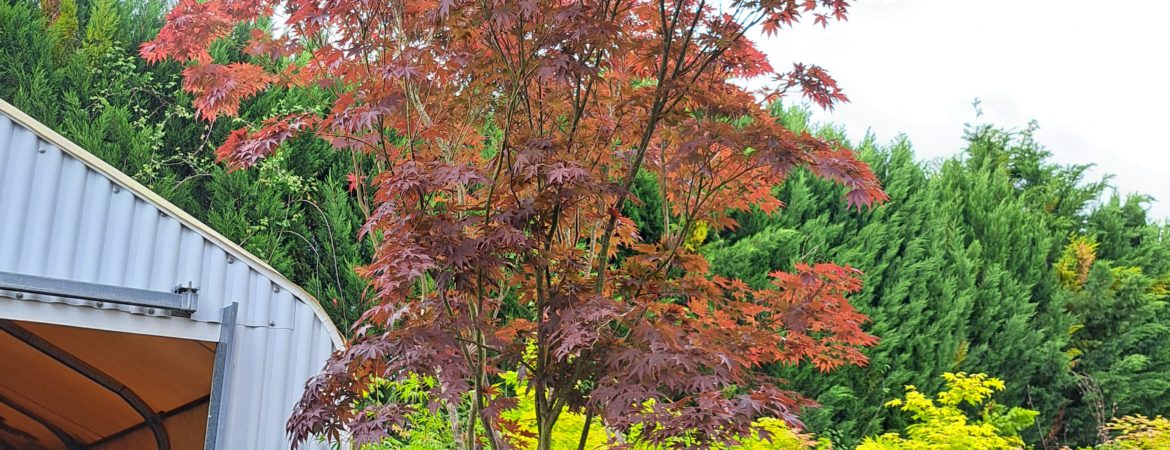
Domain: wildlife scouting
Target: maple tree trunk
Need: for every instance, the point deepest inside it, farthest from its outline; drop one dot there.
(585, 430)
(546, 417)
(453, 415)
(489, 429)
(544, 435)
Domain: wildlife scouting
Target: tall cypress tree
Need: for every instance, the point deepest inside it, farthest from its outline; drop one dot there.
(958, 271)
(1117, 279)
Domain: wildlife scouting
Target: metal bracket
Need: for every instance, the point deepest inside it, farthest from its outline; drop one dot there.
(188, 297)
(183, 300)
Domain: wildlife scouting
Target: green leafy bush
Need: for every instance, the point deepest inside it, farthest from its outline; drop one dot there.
(425, 429)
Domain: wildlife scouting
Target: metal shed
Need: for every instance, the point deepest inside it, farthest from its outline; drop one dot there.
(127, 324)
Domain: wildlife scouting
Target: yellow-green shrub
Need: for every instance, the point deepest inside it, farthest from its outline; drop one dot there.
(942, 424)
(567, 431)
(1139, 432)
(779, 437)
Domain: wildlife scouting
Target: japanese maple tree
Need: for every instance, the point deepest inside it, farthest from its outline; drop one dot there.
(507, 135)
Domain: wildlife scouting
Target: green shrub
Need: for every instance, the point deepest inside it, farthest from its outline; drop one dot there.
(1138, 432)
(425, 429)
(944, 423)
(566, 433)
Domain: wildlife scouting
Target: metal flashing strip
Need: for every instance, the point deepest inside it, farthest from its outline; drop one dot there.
(97, 376)
(182, 300)
(219, 376)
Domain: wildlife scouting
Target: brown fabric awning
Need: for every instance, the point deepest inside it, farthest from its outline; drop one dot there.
(66, 387)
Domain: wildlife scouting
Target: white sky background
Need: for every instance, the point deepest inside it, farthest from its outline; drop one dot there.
(1094, 74)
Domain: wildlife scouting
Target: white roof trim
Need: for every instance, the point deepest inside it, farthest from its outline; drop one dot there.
(95, 163)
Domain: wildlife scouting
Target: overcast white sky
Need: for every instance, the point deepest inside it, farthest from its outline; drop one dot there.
(1094, 74)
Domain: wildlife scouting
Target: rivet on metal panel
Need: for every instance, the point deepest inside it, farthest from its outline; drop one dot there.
(150, 310)
(19, 295)
(41, 149)
(99, 304)
(275, 289)
(272, 323)
(117, 189)
(231, 259)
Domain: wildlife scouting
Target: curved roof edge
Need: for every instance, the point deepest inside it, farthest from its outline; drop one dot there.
(185, 218)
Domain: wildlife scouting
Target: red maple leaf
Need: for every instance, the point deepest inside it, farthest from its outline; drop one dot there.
(354, 181)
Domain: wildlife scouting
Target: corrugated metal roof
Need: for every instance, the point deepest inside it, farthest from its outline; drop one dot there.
(86, 229)
(66, 214)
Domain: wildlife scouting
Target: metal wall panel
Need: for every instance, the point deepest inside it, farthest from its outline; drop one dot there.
(65, 215)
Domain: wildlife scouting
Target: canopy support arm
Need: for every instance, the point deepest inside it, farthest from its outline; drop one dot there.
(65, 438)
(105, 380)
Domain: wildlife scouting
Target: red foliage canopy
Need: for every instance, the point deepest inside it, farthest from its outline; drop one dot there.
(508, 134)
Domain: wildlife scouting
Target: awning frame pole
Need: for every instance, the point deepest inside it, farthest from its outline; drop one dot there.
(219, 375)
